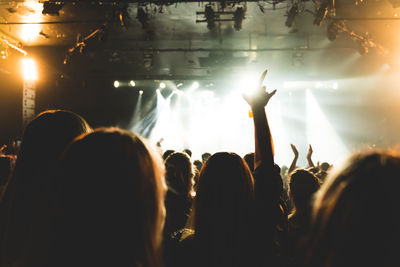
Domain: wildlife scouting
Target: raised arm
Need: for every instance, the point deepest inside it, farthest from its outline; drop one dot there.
(294, 162)
(309, 154)
(264, 150)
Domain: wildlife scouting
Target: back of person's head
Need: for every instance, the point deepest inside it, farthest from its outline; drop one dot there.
(179, 173)
(284, 170)
(47, 135)
(198, 164)
(167, 153)
(325, 166)
(111, 202)
(188, 152)
(249, 158)
(355, 218)
(302, 186)
(205, 156)
(43, 142)
(223, 204)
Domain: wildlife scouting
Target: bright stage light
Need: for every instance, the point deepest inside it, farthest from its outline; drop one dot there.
(162, 85)
(132, 83)
(327, 144)
(179, 85)
(158, 91)
(195, 85)
(141, 92)
(116, 84)
(248, 84)
(29, 69)
(30, 32)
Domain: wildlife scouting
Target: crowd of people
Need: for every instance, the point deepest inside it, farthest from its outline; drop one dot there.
(77, 196)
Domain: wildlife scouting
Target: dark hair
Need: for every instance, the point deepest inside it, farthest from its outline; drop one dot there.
(205, 156)
(325, 166)
(179, 173)
(355, 214)
(198, 164)
(249, 158)
(222, 208)
(188, 151)
(111, 202)
(167, 153)
(6, 166)
(302, 186)
(43, 142)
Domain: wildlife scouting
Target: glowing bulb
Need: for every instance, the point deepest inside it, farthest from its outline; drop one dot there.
(116, 84)
(195, 85)
(132, 83)
(141, 92)
(162, 85)
(158, 90)
(30, 32)
(29, 69)
(248, 84)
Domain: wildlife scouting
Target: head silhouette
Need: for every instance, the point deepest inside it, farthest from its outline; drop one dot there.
(43, 142)
(302, 186)
(111, 201)
(222, 208)
(355, 214)
(179, 173)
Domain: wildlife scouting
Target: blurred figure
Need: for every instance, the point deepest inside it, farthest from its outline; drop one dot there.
(205, 156)
(179, 177)
(30, 191)
(302, 186)
(198, 165)
(6, 166)
(167, 153)
(111, 202)
(355, 218)
(223, 211)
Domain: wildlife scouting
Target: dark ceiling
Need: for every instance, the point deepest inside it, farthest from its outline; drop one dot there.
(174, 45)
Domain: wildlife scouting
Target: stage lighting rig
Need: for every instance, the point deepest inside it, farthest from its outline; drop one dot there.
(210, 17)
(322, 11)
(238, 17)
(291, 15)
(332, 31)
(52, 7)
(142, 17)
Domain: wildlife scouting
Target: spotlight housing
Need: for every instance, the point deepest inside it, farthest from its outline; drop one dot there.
(332, 31)
(291, 15)
(322, 11)
(52, 7)
(238, 17)
(195, 85)
(210, 17)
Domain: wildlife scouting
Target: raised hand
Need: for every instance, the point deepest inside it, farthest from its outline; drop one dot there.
(294, 162)
(295, 152)
(309, 154)
(310, 151)
(261, 97)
